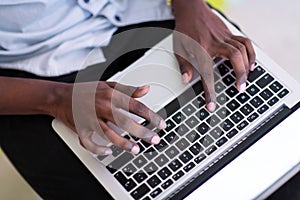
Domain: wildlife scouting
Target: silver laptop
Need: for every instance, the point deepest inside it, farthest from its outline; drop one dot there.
(249, 144)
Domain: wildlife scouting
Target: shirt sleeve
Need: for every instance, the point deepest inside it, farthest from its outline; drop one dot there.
(93, 6)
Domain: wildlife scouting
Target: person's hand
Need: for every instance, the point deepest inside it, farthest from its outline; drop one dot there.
(96, 103)
(196, 20)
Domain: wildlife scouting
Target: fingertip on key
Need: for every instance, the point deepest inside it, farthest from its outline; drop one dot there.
(155, 139)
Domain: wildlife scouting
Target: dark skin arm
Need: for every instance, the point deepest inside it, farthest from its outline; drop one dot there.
(104, 99)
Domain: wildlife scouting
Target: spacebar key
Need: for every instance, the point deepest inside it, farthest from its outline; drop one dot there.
(119, 162)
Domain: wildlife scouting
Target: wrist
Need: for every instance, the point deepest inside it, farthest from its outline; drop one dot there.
(56, 97)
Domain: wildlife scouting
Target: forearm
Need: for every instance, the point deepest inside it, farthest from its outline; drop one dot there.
(19, 96)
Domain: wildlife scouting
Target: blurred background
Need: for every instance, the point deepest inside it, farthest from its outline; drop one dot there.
(272, 24)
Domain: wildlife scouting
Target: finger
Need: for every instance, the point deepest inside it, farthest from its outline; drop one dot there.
(87, 142)
(250, 50)
(136, 107)
(132, 91)
(235, 56)
(127, 124)
(118, 140)
(241, 47)
(182, 56)
(207, 77)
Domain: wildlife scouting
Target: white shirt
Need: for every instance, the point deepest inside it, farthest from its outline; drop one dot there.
(54, 37)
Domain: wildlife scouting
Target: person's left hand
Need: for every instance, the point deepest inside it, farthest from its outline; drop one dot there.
(203, 34)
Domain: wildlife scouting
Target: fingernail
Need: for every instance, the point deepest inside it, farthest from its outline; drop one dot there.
(211, 106)
(242, 87)
(185, 78)
(155, 139)
(135, 149)
(252, 67)
(107, 152)
(162, 124)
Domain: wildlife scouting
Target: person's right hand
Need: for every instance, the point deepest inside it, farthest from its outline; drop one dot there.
(96, 103)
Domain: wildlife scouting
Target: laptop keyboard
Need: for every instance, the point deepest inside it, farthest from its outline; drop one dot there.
(193, 134)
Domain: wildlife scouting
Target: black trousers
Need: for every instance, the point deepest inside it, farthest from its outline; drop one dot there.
(44, 160)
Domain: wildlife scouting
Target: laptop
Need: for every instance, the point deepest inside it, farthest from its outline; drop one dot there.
(246, 149)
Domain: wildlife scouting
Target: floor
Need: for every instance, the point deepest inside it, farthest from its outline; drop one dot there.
(273, 24)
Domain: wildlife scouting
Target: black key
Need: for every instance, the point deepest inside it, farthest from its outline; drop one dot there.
(232, 133)
(223, 113)
(283, 93)
(216, 133)
(182, 130)
(140, 161)
(155, 193)
(175, 165)
(101, 157)
(252, 117)
(119, 162)
(246, 109)
(153, 181)
(161, 160)
(164, 173)
(222, 69)
(210, 150)
(170, 125)
(276, 86)
(257, 72)
(178, 117)
(172, 152)
(206, 141)
(169, 109)
(136, 139)
(196, 148)
(178, 175)
(273, 101)
(256, 101)
(242, 125)
(228, 80)
(228, 64)
(232, 91)
(192, 122)
(162, 145)
(264, 81)
(182, 144)
(116, 150)
(160, 133)
(202, 114)
(188, 110)
(127, 137)
(150, 168)
(140, 176)
(221, 141)
(189, 166)
(171, 137)
(266, 94)
(227, 125)
(167, 184)
(129, 169)
(128, 184)
(219, 87)
(213, 120)
(140, 191)
(242, 98)
(146, 144)
(222, 99)
(200, 158)
(263, 109)
(150, 153)
(199, 102)
(185, 157)
(236, 117)
(252, 90)
(142, 148)
(233, 105)
(193, 136)
(203, 128)
(197, 88)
